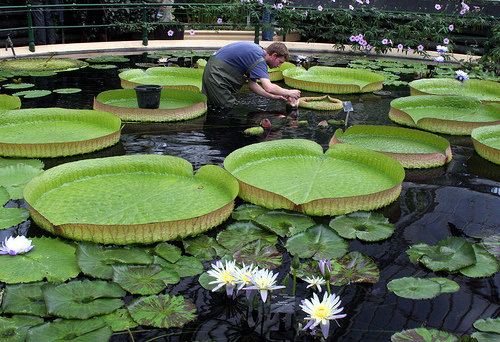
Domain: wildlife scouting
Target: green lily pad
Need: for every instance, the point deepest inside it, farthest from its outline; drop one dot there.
(481, 89)
(82, 299)
(12, 217)
(52, 132)
(486, 142)
(9, 102)
(186, 266)
(260, 253)
(414, 288)
(485, 337)
(163, 200)
(15, 328)
(172, 77)
(366, 226)
(307, 269)
(4, 196)
(486, 264)
(74, 330)
(36, 163)
(488, 325)
(31, 94)
(248, 211)
(412, 148)
(203, 247)
(175, 105)
(284, 223)
(318, 242)
(346, 178)
(41, 64)
(18, 85)
(205, 279)
(492, 244)
(143, 280)
(423, 335)
(353, 267)
(447, 285)
(333, 80)
(14, 178)
(168, 252)
(238, 234)
(119, 320)
(50, 259)
(108, 59)
(457, 115)
(103, 66)
(162, 311)
(97, 261)
(67, 90)
(450, 254)
(24, 299)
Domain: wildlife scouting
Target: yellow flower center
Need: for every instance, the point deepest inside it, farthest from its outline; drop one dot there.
(320, 311)
(227, 277)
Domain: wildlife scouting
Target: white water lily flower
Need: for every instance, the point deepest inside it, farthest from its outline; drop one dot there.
(321, 313)
(461, 75)
(264, 281)
(315, 281)
(441, 49)
(224, 276)
(243, 275)
(18, 245)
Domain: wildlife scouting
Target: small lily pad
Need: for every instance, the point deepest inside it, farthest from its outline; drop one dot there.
(486, 264)
(168, 252)
(318, 242)
(31, 94)
(492, 244)
(14, 329)
(366, 226)
(107, 59)
(186, 266)
(96, 260)
(414, 288)
(67, 90)
(162, 311)
(248, 211)
(26, 299)
(354, 267)
(284, 223)
(103, 66)
(205, 279)
(12, 217)
(485, 337)
(18, 85)
(4, 196)
(447, 285)
(143, 280)
(203, 247)
(82, 299)
(260, 253)
(52, 259)
(423, 335)
(119, 320)
(450, 254)
(15, 176)
(238, 234)
(488, 325)
(94, 329)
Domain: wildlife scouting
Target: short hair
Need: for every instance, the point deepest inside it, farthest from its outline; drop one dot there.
(279, 48)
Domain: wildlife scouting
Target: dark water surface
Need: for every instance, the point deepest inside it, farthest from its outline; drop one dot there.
(459, 199)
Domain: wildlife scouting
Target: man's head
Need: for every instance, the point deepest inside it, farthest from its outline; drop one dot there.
(276, 54)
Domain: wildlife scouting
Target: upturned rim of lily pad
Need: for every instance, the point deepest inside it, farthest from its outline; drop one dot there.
(55, 147)
(407, 159)
(168, 77)
(484, 90)
(36, 64)
(441, 121)
(222, 190)
(483, 138)
(255, 187)
(109, 101)
(276, 74)
(340, 80)
(325, 102)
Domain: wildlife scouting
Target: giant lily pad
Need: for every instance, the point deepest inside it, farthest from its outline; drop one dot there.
(486, 142)
(450, 254)
(38, 64)
(162, 311)
(276, 74)
(82, 299)
(94, 329)
(457, 115)
(320, 103)
(130, 199)
(423, 335)
(333, 80)
(175, 105)
(411, 147)
(54, 132)
(346, 178)
(486, 91)
(9, 102)
(366, 226)
(171, 77)
(50, 259)
(318, 242)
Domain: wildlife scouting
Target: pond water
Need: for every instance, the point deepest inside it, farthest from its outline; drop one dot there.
(460, 199)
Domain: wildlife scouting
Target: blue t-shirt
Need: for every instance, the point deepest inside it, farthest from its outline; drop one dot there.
(241, 56)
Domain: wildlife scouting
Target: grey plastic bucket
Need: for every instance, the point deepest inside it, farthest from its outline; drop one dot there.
(148, 95)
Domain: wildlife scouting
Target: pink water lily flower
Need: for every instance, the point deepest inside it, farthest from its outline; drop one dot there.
(219, 21)
(420, 47)
(170, 33)
(191, 32)
(320, 8)
(400, 46)
(16, 245)
(437, 6)
(451, 27)
(446, 41)
(351, 7)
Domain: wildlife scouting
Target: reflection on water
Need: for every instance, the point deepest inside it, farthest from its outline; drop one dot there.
(459, 199)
